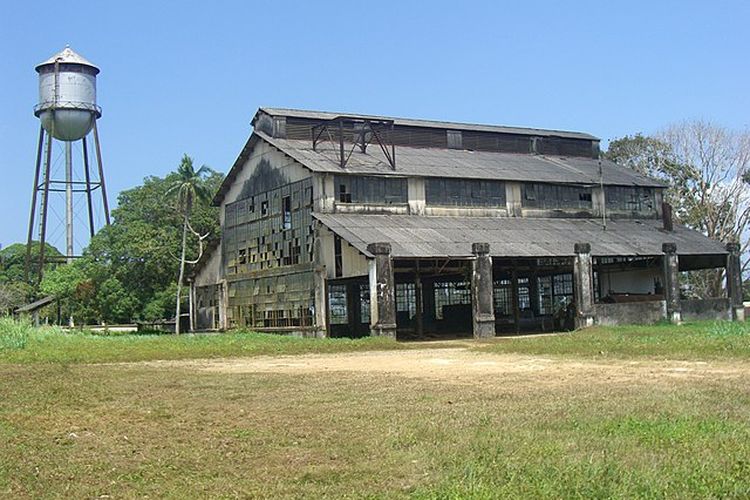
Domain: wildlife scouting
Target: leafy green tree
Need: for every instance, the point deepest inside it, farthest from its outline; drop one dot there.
(187, 188)
(13, 262)
(12, 295)
(63, 283)
(130, 267)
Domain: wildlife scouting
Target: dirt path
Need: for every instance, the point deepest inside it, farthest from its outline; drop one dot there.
(461, 364)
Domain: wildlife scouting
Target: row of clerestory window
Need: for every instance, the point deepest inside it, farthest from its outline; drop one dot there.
(489, 193)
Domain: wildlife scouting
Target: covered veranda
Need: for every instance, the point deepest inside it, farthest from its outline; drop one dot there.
(435, 276)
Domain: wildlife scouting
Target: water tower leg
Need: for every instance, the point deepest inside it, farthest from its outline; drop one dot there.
(101, 172)
(88, 186)
(30, 237)
(45, 200)
(69, 201)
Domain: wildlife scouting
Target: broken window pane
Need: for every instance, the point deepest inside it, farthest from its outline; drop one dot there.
(556, 196)
(368, 189)
(465, 192)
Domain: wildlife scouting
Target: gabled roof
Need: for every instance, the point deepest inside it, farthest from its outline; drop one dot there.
(441, 162)
(413, 236)
(409, 122)
(236, 167)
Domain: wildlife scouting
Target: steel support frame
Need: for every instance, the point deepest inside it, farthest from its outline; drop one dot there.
(380, 130)
(47, 186)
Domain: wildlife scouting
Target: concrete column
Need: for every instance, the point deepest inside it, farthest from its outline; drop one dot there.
(513, 199)
(598, 203)
(671, 266)
(482, 303)
(320, 302)
(583, 288)
(324, 193)
(320, 273)
(734, 282)
(416, 194)
(382, 291)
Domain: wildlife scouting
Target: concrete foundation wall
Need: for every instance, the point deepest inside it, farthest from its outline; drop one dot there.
(638, 313)
(705, 309)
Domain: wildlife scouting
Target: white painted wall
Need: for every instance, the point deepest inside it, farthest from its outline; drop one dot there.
(353, 262)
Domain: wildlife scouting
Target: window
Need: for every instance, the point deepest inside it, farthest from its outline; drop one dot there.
(406, 298)
(451, 293)
(524, 297)
(337, 305)
(286, 204)
(264, 208)
(376, 190)
(364, 303)
(556, 196)
(344, 195)
(338, 258)
(242, 258)
(629, 198)
(465, 192)
(544, 287)
(555, 293)
(503, 297)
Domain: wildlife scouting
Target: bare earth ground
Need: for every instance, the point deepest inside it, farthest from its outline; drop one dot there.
(461, 365)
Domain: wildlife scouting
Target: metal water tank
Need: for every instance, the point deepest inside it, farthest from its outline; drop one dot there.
(67, 95)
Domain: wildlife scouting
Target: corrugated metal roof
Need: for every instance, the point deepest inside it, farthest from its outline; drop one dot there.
(67, 56)
(425, 237)
(439, 162)
(409, 122)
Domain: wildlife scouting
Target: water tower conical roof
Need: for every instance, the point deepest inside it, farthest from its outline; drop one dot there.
(67, 56)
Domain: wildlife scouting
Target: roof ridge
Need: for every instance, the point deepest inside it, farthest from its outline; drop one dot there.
(273, 111)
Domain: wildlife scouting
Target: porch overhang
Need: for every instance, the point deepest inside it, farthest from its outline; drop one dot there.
(414, 237)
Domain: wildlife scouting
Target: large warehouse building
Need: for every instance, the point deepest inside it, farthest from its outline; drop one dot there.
(349, 225)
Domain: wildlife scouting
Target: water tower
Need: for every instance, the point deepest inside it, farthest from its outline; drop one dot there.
(68, 112)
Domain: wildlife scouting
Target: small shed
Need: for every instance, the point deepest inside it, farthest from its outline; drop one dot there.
(34, 307)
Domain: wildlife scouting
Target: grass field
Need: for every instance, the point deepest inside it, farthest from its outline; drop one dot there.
(696, 340)
(24, 344)
(587, 416)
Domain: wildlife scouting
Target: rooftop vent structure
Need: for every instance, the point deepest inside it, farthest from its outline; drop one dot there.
(347, 134)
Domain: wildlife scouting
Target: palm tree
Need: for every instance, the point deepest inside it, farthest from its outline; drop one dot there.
(187, 188)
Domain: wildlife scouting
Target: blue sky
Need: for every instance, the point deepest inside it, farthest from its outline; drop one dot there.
(187, 77)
